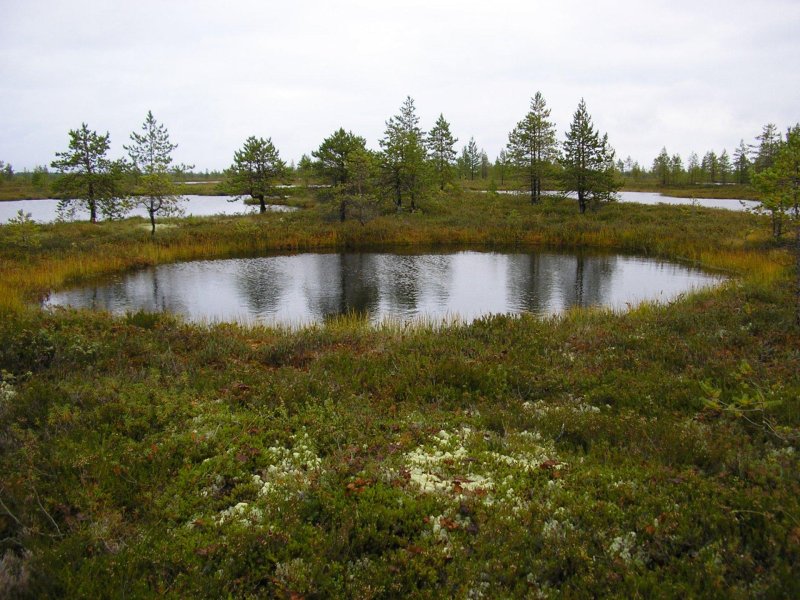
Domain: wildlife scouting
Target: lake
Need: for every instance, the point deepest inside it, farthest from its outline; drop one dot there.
(44, 211)
(308, 288)
(652, 198)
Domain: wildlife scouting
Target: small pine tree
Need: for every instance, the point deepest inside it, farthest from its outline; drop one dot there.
(151, 158)
(441, 151)
(588, 163)
(254, 170)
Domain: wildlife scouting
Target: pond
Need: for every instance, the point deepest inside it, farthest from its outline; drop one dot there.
(45, 211)
(308, 288)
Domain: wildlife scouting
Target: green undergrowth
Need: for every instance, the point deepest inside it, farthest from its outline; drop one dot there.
(651, 453)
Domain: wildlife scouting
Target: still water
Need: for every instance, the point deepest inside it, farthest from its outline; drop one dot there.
(651, 198)
(46, 210)
(308, 288)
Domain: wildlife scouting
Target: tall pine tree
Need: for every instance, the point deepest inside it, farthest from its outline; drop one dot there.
(588, 163)
(441, 151)
(532, 146)
(403, 155)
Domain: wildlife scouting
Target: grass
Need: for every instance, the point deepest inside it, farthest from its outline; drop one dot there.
(649, 453)
(19, 189)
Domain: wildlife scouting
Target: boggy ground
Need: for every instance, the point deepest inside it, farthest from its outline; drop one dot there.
(650, 453)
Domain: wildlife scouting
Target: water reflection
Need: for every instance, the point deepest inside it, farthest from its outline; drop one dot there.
(312, 287)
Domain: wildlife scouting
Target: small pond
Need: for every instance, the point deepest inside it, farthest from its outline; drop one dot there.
(46, 210)
(308, 288)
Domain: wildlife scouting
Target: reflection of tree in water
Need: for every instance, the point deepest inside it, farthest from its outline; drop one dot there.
(592, 275)
(344, 283)
(157, 290)
(436, 275)
(152, 290)
(530, 281)
(262, 281)
(543, 283)
(406, 279)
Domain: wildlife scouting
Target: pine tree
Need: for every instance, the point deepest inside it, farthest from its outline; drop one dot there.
(532, 146)
(485, 165)
(501, 165)
(255, 168)
(470, 159)
(441, 151)
(333, 153)
(779, 184)
(710, 166)
(741, 163)
(588, 163)
(693, 168)
(403, 155)
(89, 177)
(769, 142)
(661, 167)
(151, 158)
(724, 166)
(676, 169)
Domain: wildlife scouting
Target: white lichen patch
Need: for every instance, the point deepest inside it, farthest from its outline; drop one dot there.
(7, 391)
(457, 464)
(558, 526)
(624, 548)
(572, 404)
(289, 471)
(242, 512)
(289, 468)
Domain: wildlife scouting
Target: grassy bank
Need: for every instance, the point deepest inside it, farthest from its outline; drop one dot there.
(66, 253)
(652, 453)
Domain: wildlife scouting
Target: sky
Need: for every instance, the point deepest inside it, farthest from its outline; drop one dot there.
(687, 75)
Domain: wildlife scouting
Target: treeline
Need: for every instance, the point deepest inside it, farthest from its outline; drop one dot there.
(723, 168)
(410, 164)
(412, 161)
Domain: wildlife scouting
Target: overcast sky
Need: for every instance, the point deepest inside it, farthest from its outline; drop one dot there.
(688, 75)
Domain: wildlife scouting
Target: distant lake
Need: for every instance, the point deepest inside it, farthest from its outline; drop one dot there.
(308, 288)
(654, 198)
(45, 211)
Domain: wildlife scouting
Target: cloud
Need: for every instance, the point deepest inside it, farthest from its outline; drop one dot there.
(688, 75)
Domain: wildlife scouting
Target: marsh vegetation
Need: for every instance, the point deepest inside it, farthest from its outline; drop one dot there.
(650, 452)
